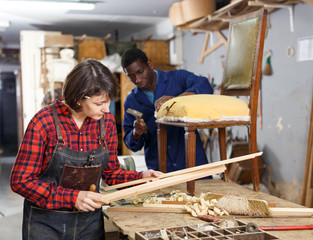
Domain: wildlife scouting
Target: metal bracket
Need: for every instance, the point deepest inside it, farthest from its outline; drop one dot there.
(289, 7)
(291, 14)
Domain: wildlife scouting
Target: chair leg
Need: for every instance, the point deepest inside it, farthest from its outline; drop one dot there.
(222, 144)
(190, 152)
(162, 142)
(254, 163)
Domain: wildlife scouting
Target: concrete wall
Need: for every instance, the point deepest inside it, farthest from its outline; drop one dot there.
(286, 98)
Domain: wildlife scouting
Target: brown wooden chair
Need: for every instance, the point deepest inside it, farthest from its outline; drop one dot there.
(241, 78)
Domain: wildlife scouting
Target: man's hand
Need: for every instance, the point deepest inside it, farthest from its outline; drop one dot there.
(140, 128)
(151, 173)
(158, 103)
(89, 201)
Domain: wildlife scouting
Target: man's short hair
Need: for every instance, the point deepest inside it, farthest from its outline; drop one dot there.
(132, 55)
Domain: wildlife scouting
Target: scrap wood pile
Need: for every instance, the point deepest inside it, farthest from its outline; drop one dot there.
(216, 204)
(213, 204)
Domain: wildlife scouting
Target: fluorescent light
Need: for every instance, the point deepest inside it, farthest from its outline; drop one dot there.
(4, 24)
(13, 5)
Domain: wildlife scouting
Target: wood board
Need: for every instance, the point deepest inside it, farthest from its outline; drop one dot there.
(129, 222)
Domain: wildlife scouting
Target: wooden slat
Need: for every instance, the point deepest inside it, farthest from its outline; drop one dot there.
(308, 2)
(274, 5)
(159, 184)
(225, 9)
(183, 171)
(206, 51)
(307, 193)
(166, 206)
(146, 209)
(126, 87)
(291, 212)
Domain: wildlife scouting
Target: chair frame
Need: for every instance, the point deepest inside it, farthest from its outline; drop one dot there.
(252, 92)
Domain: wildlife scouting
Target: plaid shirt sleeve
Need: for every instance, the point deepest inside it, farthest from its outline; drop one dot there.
(113, 174)
(36, 150)
(29, 165)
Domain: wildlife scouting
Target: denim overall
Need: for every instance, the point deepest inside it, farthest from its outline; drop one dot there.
(39, 223)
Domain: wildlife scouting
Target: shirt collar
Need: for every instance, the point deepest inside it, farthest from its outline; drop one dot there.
(62, 108)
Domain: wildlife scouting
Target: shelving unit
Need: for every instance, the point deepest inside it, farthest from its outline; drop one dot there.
(219, 19)
(51, 46)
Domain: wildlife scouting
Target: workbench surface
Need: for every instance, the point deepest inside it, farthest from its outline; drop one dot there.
(135, 221)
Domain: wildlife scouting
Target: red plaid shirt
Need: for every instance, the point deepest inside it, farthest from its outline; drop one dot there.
(36, 150)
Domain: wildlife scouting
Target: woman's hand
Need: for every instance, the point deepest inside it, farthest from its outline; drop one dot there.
(89, 201)
(151, 173)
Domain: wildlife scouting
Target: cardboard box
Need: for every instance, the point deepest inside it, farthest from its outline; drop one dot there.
(64, 41)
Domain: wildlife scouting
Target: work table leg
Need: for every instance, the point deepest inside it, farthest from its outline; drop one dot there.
(162, 144)
(190, 151)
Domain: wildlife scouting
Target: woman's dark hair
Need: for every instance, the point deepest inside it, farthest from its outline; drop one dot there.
(131, 55)
(87, 79)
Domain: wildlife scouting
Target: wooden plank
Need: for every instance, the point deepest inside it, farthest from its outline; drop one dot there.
(59, 40)
(273, 5)
(307, 193)
(292, 212)
(187, 170)
(310, 2)
(172, 208)
(206, 51)
(126, 86)
(161, 206)
(225, 9)
(151, 186)
(204, 47)
(157, 220)
(146, 209)
(174, 202)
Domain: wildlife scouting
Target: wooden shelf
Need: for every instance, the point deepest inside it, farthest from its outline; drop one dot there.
(219, 19)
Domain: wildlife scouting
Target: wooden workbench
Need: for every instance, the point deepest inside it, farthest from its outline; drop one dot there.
(130, 222)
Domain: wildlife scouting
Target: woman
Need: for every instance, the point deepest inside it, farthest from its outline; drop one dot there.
(66, 148)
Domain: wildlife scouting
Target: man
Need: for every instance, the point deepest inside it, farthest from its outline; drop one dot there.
(153, 88)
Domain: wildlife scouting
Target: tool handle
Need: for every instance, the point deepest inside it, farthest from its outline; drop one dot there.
(209, 218)
(283, 228)
(92, 188)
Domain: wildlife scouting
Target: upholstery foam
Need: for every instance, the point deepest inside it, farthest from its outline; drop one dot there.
(204, 107)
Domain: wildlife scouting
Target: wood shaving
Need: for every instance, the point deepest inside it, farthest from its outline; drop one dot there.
(195, 205)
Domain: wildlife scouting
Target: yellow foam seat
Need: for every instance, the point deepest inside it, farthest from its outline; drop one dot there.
(204, 107)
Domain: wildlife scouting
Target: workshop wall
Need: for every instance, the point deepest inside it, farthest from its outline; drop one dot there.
(286, 98)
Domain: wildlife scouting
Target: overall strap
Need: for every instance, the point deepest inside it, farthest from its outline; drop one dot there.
(102, 130)
(57, 125)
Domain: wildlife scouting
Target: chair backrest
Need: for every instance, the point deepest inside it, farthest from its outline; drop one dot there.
(244, 55)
